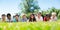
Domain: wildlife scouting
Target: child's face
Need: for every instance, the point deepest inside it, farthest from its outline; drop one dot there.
(39, 15)
(48, 18)
(24, 16)
(3, 17)
(16, 17)
(9, 17)
(32, 16)
(53, 15)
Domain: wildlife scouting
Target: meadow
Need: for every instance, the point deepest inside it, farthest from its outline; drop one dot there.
(54, 25)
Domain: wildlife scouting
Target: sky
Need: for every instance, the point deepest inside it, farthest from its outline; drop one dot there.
(45, 4)
(11, 6)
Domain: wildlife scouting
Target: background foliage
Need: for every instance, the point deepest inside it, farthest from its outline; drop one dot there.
(31, 6)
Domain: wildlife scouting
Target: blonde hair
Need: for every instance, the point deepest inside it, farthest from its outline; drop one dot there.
(53, 13)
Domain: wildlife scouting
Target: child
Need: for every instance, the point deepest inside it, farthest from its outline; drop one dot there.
(24, 18)
(53, 17)
(47, 17)
(16, 18)
(9, 19)
(3, 17)
(32, 18)
(39, 17)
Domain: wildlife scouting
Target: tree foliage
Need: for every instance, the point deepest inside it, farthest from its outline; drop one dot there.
(30, 6)
(50, 10)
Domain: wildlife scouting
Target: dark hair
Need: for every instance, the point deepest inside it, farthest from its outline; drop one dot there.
(34, 19)
(3, 15)
(48, 15)
(8, 14)
(17, 15)
(39, 13)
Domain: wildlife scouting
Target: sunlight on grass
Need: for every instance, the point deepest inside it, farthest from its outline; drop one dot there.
(55, 25)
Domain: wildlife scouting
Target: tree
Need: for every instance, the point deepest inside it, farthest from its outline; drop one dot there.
(50, 10)
(29, 6)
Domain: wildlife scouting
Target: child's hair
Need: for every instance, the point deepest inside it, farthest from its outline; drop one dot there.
(17, 15)
(47, 17)
(3, 15)
(53, 13)
(39, 13)
(34, 19)
(23, 15)
(8, 14)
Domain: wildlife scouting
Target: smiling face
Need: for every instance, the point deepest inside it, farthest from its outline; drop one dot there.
(48, 18)
(39, 15)
(16, 17)
(32, 16)
(24, 16)
(9, 17)
(3, 17)
(53, 14)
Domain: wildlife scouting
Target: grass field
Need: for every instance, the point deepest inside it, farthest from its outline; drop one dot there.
(55, 25)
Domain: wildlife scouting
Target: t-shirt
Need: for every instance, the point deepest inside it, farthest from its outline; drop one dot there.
(9, 20)
(14, 20)
(24, 20)
(53, 19)
(39, 19)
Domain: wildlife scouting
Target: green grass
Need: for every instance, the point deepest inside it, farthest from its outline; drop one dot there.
(30, 26)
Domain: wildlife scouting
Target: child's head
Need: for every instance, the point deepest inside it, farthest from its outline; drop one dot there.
(16, 16)
(9, 16)
(32, 16)
(24, 16)
(39, 14)
(47, 16)
(53, 14)
(3, 16)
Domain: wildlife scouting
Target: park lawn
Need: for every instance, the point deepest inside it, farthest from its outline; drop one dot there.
(54, 25)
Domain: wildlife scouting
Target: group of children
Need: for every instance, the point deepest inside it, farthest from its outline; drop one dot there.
(33, 18)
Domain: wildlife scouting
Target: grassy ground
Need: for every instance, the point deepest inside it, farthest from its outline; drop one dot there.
(30, 26)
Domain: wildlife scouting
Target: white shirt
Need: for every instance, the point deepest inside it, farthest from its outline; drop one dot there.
(53, 19)
(9, 20)
(39, 19)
